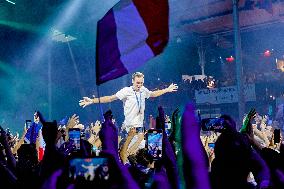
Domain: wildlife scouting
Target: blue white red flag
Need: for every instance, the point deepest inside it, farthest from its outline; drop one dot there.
(130, 34)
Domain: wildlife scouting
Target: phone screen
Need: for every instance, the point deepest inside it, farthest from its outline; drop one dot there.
(212, 124)
(74, 137)
(276, 135)
(89, 169)
(154, 143)
(28, 123)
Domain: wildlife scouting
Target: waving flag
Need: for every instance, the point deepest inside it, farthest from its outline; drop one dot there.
(41, 146)
(32, 133)
(130, 34)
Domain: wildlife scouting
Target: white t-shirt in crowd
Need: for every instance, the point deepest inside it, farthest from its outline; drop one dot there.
(132, 102)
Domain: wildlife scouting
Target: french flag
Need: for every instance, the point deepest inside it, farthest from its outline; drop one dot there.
(41, 146)
(130, 34)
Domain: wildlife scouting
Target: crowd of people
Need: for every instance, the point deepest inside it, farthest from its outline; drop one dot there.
(173, 153)
(254, 77)
(190, 157)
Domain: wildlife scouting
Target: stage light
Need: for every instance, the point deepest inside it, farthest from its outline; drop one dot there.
(230, 59)
(267, 53)
(10, 2)
(61, 37)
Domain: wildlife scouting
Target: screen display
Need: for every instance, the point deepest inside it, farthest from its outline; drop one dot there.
(74, 138)
(89, 169)
(154, 144)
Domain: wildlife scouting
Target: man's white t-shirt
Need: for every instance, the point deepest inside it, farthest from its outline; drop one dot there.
(132, 102)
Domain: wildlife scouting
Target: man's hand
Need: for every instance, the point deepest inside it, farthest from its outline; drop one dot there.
(172, 88)
(86, 101)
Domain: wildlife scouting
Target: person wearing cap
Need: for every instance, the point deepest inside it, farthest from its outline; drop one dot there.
(133, 98)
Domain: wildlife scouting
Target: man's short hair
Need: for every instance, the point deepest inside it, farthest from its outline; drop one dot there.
(137, 74)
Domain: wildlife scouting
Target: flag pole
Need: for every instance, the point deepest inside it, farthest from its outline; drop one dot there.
(100, 105)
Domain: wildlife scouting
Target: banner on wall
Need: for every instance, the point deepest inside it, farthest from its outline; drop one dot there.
(224, 95)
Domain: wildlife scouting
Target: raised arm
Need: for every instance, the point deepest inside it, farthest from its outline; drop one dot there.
(169, 159)
(195, 166)
(169, 89)
(20, 142)
(109, 138)
(11, 161)
(134, 148)
(86, 101)
(123, 151)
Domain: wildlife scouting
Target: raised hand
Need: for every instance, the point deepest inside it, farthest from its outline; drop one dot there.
(86, 101)
(161, 124)
(96, 128)
(132, 132)
(247, 127)
(73, 121)
(251, 114)
(40, 116)
(172, 88)
(264, 119)
(109, 135)
(194, 154)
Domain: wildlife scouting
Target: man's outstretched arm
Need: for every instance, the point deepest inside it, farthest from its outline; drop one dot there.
(86, 101)
(169, 89)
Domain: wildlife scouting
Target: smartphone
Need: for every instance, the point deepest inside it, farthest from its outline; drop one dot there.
(74, 137)
(276, 135)
(211, 145)
(154, 143)
(28, 123)
(213, 124)
(89, 169)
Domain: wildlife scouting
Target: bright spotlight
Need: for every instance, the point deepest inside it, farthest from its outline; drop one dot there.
(10, 2)
(230, 59)
(267, 53)
(61, 37)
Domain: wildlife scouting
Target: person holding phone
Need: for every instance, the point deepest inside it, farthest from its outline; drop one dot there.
(74, 138)
(33, 129)
(154, 143)
(133, 98)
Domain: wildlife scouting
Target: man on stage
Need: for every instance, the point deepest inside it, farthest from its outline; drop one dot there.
(133, 99)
